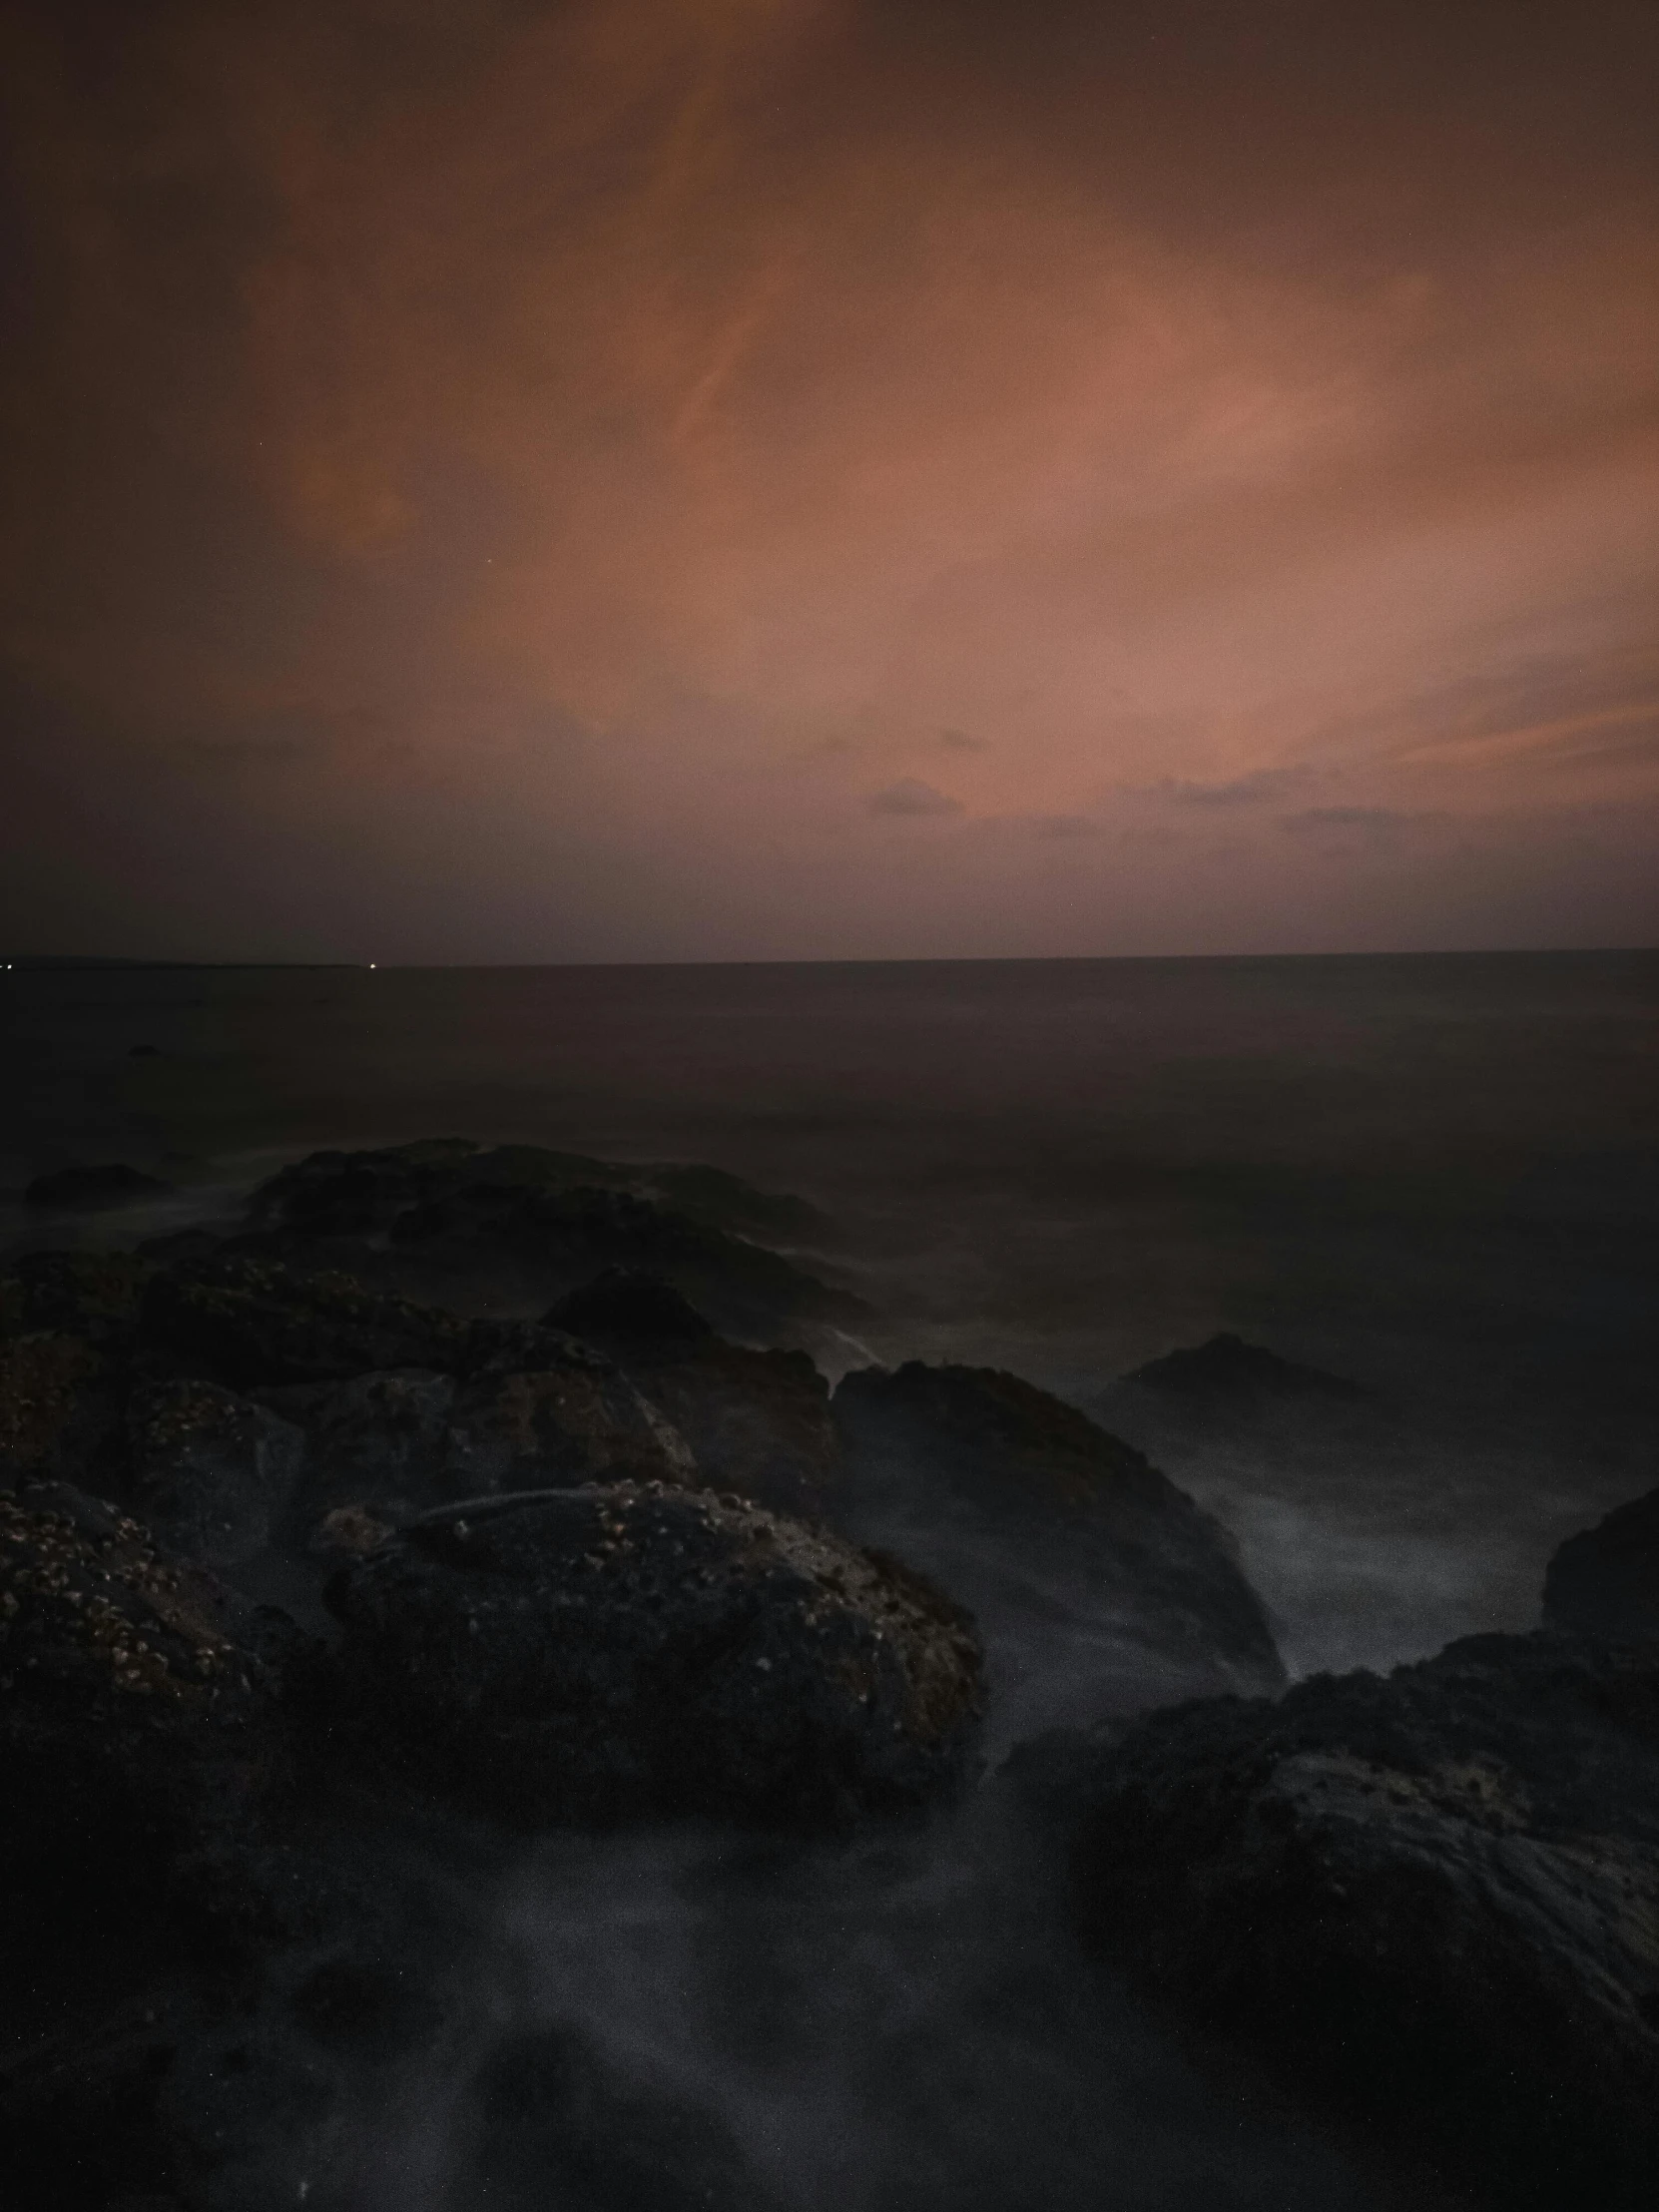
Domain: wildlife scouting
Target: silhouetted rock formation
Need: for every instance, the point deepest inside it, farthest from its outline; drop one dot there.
(1226, 1373)
(1432, 1899)
(1605, 1580)
(625, 1649)
(93, 1189)
(1051, 1529)
(757, 1421)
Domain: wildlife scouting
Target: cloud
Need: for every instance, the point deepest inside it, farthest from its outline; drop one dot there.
(1359, 828)
(958, 741)
(912, 797)
(1260, 788)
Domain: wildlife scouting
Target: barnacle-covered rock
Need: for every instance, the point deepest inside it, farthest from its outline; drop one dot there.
(212, 1472)
(628, 1649)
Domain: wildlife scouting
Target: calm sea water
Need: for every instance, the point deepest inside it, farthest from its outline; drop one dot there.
(1438, 1176)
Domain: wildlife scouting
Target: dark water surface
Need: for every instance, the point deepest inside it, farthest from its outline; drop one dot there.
(1437, 1177)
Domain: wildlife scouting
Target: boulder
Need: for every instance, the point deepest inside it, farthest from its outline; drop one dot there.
(423, 1438)
(1431, 1901)
(213, 1474)
(95, 1294)
(54, 1410)
(136, 1695)
(92, 1188)
(757, 1421)
(1095, 1580)
(446, 1212)
(1226, 1373)
(1605, 1580)
(631, 1649)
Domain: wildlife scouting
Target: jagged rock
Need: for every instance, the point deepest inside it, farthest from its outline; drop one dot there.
(1605, 1580)
(1226, 1373)
(248, 1321)
(212, 1473)
(449, 1212)
(620, 1649)
(757, 1421)
(1056, 1533)
(1432, 1899)
(92, 1188)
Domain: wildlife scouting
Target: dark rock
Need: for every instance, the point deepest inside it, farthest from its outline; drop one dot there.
(1433, 1900)
(425, 1438)
(212, 1473)
(142, 1051)
(1225, 1371)
(54, 1409)
(1056, 1533)
(135, 1700)
(1605, 1580)
(622, 1650)
(93, 1189)
(95, 1294)
(757, 1421)
(446, 1212)
(249, 1321)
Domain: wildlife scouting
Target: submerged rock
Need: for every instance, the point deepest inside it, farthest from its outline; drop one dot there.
(1433, 1900)
(1605, 1580)
(92, 1188)
(757, 1421)
(624, 1650)
(1069, 1545)
(1224, 1372)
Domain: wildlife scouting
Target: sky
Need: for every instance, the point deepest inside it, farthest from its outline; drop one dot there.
(756, 479)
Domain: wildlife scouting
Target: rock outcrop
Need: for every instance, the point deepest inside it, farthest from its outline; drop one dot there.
(1605, 1580)
(446, 1216)
(757, 1421)
(1226, 1373)
(1433, 1900)
(213, 1474)
(1060, 1537)
(626, 1649)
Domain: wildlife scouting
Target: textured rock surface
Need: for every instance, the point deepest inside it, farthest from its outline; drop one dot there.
(1434, 1899)
(214, 1474)
(248, 1321)
(626, 1649)
(1061, 1538)
(1605, 1582)
(757, 1421)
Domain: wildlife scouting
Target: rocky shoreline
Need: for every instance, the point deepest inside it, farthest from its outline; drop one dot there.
(299, 1561)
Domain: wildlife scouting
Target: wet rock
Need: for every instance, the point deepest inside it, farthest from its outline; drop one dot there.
(624, 1650)
(757, 1421)
(1224, 1372)
(92, 1188)
(1605, 1580)
(425, 1438)
(1431, 1899)
(248, 1321)
(1067, 1543)
(446, 1212)
(213, 1474)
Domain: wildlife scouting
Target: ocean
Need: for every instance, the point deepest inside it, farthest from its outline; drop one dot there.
(1433, 1178)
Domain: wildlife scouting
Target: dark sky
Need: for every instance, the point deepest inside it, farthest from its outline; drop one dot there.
(756, 478)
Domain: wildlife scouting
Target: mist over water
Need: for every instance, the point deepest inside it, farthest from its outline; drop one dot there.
(1434, 1178)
